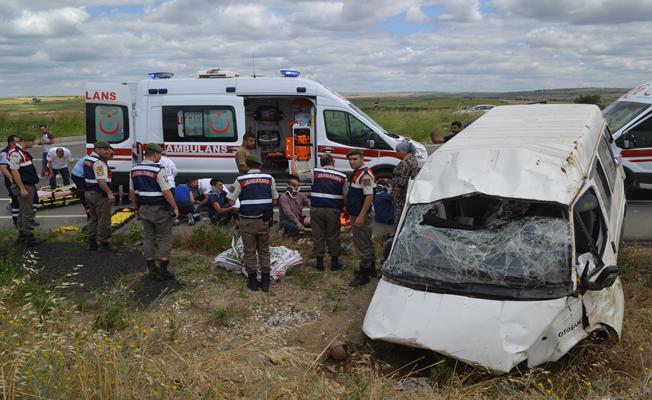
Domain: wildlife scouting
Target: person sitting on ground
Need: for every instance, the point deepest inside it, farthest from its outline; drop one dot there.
(456, 127)
(186, 200)
(383, 203)
(220, 211)
(291, 205)
(59, 160)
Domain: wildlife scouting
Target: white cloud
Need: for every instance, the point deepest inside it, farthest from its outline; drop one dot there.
(581, 12)
(349, 45)
(414, 15)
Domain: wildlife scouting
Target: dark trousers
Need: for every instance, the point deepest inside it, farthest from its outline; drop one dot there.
(44, 163)
(325, 223)
(80, 184)
(14, 202)
(65, 174)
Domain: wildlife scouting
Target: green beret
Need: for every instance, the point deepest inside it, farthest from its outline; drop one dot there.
(254, 158)
(354, 152)
(27, 136)
(154, 147)
(102, 145)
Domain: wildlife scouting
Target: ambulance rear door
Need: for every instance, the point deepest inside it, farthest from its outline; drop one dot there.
(109, 118)
(201, 132)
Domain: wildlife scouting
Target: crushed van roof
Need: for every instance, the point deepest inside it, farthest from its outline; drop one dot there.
(536, 152)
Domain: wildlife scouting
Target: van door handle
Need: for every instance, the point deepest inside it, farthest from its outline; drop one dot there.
(328, 149)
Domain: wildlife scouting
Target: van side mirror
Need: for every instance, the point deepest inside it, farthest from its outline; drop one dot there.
(605, 279)
(371, 143)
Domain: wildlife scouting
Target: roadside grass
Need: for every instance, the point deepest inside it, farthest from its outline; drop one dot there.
(117, 350)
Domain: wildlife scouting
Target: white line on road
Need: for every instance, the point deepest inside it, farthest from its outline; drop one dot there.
(48, 216)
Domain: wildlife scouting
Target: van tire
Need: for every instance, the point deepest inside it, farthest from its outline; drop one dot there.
(631, 183)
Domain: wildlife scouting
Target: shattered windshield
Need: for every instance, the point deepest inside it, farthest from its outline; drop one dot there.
(478, 243)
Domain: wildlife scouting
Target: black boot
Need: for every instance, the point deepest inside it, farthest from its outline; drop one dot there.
(319, 264)
(335, 264)
(163, 273)
(152, 270)
(31, 241)
(252, 282)
(264, 282)
(361, 277)
(106, 247)
(92, 245)
(372, 272)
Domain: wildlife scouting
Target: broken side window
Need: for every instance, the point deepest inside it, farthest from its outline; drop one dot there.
(485, 246)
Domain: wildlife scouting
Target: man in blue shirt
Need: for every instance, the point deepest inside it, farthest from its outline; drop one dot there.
(219, 210)
(383, 206)
(185, 200)
(77, 177)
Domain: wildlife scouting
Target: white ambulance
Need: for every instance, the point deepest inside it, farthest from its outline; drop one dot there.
(201, 123)
(630, 122)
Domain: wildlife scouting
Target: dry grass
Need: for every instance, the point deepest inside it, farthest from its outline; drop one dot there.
(210, 341)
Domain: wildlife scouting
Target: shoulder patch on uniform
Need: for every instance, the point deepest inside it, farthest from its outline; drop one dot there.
(99, 170)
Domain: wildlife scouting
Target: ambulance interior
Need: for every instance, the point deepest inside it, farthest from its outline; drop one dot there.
(283, 126)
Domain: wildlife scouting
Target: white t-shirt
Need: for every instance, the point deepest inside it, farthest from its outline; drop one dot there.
(48, 141)
(204, 186)
(170, 169)
(59, 163)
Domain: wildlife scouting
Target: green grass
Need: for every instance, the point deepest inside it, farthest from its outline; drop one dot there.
(63, 115)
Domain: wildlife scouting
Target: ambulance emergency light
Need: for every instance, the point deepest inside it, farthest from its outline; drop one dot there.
(290, 73)
(160, 75)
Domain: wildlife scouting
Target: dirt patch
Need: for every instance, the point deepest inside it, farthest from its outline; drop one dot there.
(145, 290)
(75, 269)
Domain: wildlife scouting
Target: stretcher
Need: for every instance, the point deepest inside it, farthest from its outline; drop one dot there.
(59, 196)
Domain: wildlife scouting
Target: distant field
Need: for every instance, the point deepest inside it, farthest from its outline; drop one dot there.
(64, 115)
(408, 114)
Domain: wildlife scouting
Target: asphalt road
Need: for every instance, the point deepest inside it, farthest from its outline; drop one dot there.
(637, 221)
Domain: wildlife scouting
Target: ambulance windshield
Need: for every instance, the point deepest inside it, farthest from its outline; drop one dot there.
(484, 246)
(368, 118)
(619, 113)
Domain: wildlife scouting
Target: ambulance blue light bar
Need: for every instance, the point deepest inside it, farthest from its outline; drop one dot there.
(160, 75)
(290, 73)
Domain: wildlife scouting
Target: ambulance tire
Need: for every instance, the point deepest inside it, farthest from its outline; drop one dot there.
(383, 174)
(631, 183)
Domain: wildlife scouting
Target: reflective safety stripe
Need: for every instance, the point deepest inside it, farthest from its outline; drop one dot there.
(260, 201)
(148, 194)
(327, 196)
(25, 164)
(147, 168)
(356, 185)
(95, 180)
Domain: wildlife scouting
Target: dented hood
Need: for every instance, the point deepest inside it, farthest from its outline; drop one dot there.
(493, 334)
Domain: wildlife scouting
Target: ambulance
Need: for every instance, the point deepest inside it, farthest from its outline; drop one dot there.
(201, 122)
(630, 122)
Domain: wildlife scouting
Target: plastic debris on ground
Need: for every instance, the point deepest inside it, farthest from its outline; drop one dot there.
(282, 260)
(293, 318)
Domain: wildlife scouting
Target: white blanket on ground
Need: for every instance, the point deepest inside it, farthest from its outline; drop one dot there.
(282, 260)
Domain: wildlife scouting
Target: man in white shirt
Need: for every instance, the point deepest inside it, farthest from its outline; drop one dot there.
(59, 159)
(170, 170)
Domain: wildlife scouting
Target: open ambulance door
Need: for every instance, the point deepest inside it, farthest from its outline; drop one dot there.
(109, 118)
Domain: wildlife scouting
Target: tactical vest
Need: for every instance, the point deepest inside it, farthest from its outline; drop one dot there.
(327, 188)
(27, 170)
(355, 197)
(256, 194)
(89, 174)
(146, 186)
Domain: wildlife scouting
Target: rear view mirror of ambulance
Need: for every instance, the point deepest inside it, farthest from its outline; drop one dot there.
(630, 121)
(108, 119)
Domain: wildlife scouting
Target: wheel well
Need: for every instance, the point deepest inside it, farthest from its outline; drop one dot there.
(383, 171)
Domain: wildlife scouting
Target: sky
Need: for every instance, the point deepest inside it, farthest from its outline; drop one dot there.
(52, 47)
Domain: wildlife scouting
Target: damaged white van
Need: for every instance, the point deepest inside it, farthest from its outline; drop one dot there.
(506, 251)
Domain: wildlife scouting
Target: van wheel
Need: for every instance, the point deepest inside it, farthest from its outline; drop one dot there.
(631, 183)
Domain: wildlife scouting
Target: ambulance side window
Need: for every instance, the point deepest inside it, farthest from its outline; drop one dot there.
(106, 122)
(344, 128)
(641, 135)
(199, 124)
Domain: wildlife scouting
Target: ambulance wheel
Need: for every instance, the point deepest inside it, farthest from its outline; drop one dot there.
(631, 183)
(383, 174)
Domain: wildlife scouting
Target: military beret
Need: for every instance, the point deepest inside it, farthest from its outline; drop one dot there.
(155, 148)
(102, 145)
(27, 136)
(254, 158)
(355, 152)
